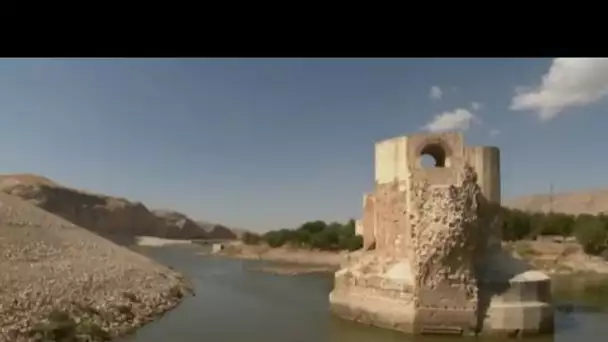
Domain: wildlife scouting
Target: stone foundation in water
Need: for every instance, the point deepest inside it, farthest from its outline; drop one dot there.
(514, 302)
(432, 261)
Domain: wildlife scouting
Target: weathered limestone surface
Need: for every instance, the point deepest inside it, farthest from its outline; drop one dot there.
(432, 261)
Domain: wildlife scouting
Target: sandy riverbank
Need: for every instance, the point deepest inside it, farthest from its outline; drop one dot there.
(554, 258)
(292, 260)
(152, 241)
(295, 269)
(283, 254)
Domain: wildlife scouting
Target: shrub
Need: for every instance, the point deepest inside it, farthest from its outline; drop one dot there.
(274, 239)
(352, 243)
(277, 238)
(317, 234)
(516, 224)
(302, 238)
(555, 224)
(591, 233)
(326, 240)
(60, 326)
(313, 227)
(525, 250)
(251, 238)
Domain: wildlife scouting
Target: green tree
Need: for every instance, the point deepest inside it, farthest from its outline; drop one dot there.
(604, 218)
(302, 238)
(536, 223)
(555, 224)
(313, 227)
(352, 243)
(277, 238)
(336, 226)
(347, 240)
(326, 240)
(251, 238)
(516, 224)
(591, 233)
(350, 226)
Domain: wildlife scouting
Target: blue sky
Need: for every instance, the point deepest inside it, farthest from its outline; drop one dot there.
(269, 143)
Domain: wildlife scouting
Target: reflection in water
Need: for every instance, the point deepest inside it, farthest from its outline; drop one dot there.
(234, 303)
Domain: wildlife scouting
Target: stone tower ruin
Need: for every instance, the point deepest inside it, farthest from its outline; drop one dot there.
(432, 261)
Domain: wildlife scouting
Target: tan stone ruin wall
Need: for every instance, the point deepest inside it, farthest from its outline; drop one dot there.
(429, 226)
(391, 219)
(444, 225)
(486, 162)
(368, 221)
(371, 284)
(359, 227)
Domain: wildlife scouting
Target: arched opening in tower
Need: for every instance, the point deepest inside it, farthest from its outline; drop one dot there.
(433, 155)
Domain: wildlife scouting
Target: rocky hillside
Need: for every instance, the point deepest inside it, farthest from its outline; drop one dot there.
(217, 231)
(105, 215)
(577, 202)
(62, 282)
(180, 226)
(239, 232)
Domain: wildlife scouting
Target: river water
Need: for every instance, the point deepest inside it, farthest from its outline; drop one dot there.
(235, 303)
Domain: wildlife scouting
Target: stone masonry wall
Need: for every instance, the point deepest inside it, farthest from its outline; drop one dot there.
(368, 222)
(444, 227)
(391, 219)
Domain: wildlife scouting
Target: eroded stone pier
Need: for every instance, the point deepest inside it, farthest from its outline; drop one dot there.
(432, 260)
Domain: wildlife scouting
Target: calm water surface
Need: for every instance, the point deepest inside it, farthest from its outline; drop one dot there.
(234, 303)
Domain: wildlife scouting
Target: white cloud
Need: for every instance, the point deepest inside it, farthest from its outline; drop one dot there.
(569, 82)
(458, 119)
(436, 93)
(494, 132)
(476, 105)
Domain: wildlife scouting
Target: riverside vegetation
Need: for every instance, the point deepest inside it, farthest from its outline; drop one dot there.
(555, 242)
(590, 231)
(318, 234)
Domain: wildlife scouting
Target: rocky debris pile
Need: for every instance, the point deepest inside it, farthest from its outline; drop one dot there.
(59, 281)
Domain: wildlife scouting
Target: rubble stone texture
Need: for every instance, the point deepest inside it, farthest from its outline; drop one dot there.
(431, 260)
(52, 268)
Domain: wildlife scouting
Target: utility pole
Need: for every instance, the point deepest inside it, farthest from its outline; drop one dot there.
(551, 198)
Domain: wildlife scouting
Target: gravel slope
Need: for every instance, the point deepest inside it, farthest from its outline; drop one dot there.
(60, 279)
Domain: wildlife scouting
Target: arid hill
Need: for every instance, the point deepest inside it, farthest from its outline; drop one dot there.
(111, 217)
(60, 279)
(217, 231)
(180, 225)
(576, 202)
(239, 232)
